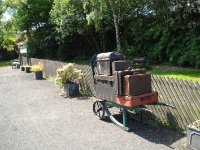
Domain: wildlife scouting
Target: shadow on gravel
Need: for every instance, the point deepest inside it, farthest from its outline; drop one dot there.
(155, 133)
(43, 79)
(152, 132)
(82, 98)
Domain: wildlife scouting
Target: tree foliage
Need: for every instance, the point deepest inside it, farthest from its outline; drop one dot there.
(69, 17)
(30, 14)
(7, 35)
(168, 32)
(32, 17)
(164, 31)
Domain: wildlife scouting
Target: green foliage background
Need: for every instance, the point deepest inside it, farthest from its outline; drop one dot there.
(165, 32)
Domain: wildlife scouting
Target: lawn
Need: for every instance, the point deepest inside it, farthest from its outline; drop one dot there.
(184, 74)
(4, 63)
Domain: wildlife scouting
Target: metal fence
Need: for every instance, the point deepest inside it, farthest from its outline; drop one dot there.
(184, 95)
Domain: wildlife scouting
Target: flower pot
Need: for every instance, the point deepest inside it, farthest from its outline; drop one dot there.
(71, 89)
(193, 137)
(22, 68)
(27, 69)
(38, 75)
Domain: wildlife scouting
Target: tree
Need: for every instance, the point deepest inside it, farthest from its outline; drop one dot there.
(30, 14)
(116, 10)
(161, 30)
(69, 18)
(1, 8)
(98, 14)
(32, 17)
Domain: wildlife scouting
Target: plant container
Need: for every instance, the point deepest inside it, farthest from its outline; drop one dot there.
(71, 89)
(22, 68)
(38, 75)
(193, 135)
(27, 69)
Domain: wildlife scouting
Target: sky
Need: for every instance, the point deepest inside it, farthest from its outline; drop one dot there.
(6, 16)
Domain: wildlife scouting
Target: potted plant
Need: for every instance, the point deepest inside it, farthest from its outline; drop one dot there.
(27, 68)
(193, 135)
(68, 78)
(38, 71)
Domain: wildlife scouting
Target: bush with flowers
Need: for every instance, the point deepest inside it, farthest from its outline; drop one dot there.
(37, 68)
(68, 74)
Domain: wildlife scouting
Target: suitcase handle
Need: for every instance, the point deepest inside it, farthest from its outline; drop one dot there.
(136, 73)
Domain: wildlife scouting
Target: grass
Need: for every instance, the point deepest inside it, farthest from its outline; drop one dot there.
(193, 75)
(86, 92)
(50, 79)
(4, 63)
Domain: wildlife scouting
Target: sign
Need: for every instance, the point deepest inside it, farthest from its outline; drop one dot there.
(23, 50)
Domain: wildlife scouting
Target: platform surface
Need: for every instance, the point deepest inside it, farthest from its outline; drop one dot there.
(34, 117)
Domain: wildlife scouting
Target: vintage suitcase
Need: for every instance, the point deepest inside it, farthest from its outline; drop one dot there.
(136, 84)
(121, 65)
(119, 77)
(104, 87)
(104, 62)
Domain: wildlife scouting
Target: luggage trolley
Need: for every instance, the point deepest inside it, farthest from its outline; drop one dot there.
(118, 86)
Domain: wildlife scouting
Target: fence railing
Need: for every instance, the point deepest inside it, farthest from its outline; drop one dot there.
(184, 95)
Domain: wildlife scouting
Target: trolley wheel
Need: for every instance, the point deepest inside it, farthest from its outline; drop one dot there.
(99, 109)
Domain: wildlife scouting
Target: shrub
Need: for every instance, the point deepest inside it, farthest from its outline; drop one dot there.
(38, 67)
(68, 74)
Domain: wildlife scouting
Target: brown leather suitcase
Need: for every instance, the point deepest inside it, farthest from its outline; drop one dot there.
(136, 84)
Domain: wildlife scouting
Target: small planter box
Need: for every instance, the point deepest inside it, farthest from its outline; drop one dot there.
(18, 65)
(193, 135)
(71, 90)
(22, 68)
(38, 75)
(27, 69)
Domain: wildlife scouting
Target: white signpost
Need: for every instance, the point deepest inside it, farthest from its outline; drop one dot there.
(23, 50)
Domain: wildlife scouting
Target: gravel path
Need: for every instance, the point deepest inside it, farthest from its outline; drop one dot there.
(34, 116)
